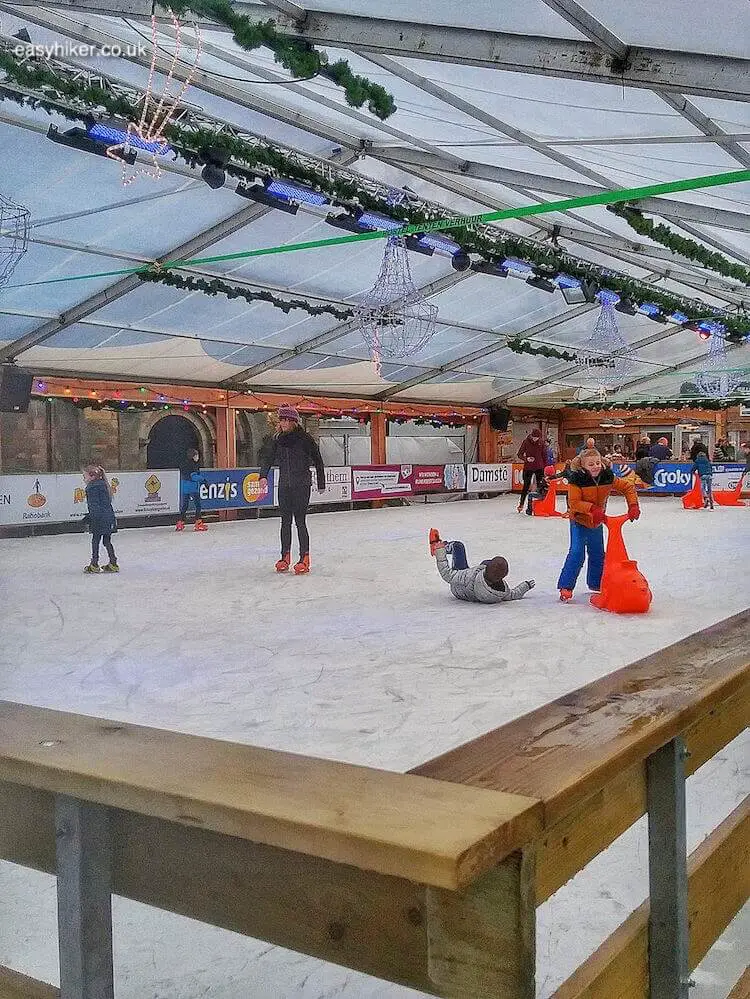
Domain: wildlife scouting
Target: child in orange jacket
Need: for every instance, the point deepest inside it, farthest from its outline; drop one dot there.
(591, 481)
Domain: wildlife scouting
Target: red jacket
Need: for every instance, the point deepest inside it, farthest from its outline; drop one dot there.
(533, 453)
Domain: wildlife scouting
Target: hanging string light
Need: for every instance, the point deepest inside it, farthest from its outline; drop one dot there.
(605, 362)
(14, 236)
(717, 381)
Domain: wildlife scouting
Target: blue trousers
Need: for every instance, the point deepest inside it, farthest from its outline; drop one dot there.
(457, 551)
(583, 541)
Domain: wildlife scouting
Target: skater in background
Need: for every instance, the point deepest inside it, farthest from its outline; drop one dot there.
(100, 518)
(644, 448)
(705, 471)
(190, 489)
(661, 450)
(724, 450)
(293, 451)
(533, 454)
(550, 455)
(696, 448)
(483, 584)
(590, 484)
(587, 445)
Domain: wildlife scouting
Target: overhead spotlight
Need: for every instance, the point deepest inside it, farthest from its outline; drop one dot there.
(517, 268)
(487, 267)
(608, 297)
(541, 282)
(575, 291)
(112, 135)
(678, 317)
(23, 36)
(461, 261)
(376, 222)
(626, 307)
(291, 193)
(345, 221)
(256, 192)
(215, 159)
(76, 138)
(440, 244)
(415, 244)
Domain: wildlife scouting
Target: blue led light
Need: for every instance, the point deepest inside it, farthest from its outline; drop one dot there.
(607, 297)
(711, 326)
(678, 317)
(380, 223)
(566, 281)
(649, 309)
(519, 268)
(286, 190)
(440, 244)
(119, 136)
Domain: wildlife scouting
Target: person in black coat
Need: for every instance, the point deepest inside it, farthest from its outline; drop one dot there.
(644, 448)
(294, 451)
(100, 518)
(697, 448)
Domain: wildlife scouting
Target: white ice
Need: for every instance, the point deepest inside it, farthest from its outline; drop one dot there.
(370, 660)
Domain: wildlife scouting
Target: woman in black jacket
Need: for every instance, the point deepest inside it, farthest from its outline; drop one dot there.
(100, 518)
(294, 451)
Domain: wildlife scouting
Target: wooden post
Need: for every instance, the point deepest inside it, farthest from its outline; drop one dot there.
(378, 454)
(481, 942)
(487, 451)
(226, 447)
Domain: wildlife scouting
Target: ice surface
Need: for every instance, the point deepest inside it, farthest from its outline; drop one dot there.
(369, 660)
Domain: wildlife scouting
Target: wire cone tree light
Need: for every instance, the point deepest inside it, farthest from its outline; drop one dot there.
(717, 381)
(395, 318)
(605, 361)
(14, 236)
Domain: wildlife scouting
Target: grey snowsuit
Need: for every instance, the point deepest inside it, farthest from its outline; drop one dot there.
(470, 584)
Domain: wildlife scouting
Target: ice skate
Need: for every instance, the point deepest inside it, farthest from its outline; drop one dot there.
(180, 525)
(566, 595)
(111, 567)
(283, 564)
(303, 566)
(91, 568)
(435, 541)
(200, 526)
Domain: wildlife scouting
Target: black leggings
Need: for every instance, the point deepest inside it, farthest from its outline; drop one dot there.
(95, 541)
(541, 485)
(196, 498)
(293, 503)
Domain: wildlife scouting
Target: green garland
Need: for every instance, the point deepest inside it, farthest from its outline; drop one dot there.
(301, 59)
(711, 404)
(53, 87)
(526, 347)
(661, 233)
(215, 286)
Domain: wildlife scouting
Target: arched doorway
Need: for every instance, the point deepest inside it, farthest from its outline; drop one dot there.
(169, 441)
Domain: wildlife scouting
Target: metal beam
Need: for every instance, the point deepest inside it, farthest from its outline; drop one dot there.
(670, 369)
(336, 333)
(705, 74)
(678, 210)
(589, 27)
(710, 129)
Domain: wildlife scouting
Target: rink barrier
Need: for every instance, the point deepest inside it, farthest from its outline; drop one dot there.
(428, 879)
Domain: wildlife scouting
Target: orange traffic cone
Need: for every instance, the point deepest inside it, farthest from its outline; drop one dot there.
(730, 497)
(693, 499)
(624, 588)
(545, 507)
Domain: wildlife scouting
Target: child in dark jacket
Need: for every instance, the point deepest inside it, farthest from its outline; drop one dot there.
(100, 518)
(190, 489)
(482, 584)
(705, 471)
(590, 484)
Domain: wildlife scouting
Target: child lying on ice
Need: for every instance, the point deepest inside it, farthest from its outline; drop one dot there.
(484, 584)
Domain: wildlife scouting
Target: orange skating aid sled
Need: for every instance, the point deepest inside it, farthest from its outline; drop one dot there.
(546, 507)
(624, 588)
(730, 497)
(693, 499)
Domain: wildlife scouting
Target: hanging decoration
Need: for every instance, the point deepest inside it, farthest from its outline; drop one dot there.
(217, 286)
(14, 236)
(395, 318)
(660, 404)
(605, 362)
(717, 381)
(302, 59)
(148, 135)
(519, 346)
(689, 248)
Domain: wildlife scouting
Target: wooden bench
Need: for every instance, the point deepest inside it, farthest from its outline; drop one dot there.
(428, 879)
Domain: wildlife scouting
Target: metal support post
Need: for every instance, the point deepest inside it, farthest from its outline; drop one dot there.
(667, 862)
(84, 901)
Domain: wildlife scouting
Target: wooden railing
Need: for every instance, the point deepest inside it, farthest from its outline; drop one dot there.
(429, 879)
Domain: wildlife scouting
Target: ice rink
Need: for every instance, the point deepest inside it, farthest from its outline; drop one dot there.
(368, 659)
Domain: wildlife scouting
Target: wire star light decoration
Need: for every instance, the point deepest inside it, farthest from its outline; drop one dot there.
(395, 318)
(14, 236)
(717, 381)
(605, 362)
(148, 134)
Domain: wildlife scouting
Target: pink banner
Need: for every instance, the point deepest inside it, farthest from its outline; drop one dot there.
(370, 482)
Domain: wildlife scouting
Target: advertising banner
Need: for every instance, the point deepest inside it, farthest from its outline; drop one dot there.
(55, 499)
(371, 482)
(489, 478)
(235, 489)
(727, 475)
(438, 478)
(338, 486)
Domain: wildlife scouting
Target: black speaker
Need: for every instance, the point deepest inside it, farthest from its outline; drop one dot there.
(15, 389)
(499, 418)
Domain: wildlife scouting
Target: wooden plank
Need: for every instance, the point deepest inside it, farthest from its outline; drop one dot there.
(16, 986)
(573, 747)
(742, 988)
(481, 941)
(574, 840)
(359, 919)
(428, 831)
(718, 886)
